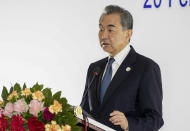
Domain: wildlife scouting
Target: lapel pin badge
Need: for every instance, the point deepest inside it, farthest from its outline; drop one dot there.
(128, 69)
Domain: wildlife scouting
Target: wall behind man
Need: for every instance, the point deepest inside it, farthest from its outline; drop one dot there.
(54, 41)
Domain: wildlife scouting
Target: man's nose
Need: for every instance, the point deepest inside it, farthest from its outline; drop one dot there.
(104, 34)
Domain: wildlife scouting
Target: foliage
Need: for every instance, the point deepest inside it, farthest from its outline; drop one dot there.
(27, 98)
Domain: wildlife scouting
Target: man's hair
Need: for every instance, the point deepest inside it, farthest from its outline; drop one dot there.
(125, 16)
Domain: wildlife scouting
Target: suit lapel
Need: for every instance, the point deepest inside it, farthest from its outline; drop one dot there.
(120, 75)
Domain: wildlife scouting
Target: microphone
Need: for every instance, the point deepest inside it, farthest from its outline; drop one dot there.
(95, 73)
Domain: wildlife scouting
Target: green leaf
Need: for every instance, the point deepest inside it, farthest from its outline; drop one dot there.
(6, 117)
(4, 94)
(57, 96)
(11, 90)
(47, 92)
(40, 116)
(32, 90)
(76, 128)
(48, 97)
(63, 100)
(24, 86)
(28, 99)
(26, 115)
(70, 119)
(65, 106)
(17, 87)
(37, 87)
(14, 99)
(25, 125)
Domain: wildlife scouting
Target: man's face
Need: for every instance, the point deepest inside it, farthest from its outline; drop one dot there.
(111, 35)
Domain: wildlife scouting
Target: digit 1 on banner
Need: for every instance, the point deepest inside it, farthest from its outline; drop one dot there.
(157, 3)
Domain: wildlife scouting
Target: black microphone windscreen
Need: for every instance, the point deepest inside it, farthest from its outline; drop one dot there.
(97, 70)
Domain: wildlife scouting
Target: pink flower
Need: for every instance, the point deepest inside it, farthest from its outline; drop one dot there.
(8, 109)
(35, 107)
(1, 111)
(20, 106)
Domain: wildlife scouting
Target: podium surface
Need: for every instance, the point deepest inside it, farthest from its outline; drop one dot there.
(93, 125)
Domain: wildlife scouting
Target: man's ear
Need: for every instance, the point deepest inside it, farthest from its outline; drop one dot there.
(129, 33)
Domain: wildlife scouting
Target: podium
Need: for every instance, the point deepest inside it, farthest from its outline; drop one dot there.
(93, 125)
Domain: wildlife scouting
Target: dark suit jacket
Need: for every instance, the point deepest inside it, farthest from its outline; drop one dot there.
(137, 93)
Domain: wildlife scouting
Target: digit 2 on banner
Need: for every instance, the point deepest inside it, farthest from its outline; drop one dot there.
(157, 4)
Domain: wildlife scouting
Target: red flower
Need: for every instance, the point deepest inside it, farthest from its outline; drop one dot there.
(35, 125)
(48, 116)
(3, 123)
(16, 123)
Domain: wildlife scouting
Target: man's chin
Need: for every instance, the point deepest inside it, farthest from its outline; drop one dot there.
(108, 51)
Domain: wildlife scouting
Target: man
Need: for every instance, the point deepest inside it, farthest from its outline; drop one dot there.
(123, 90)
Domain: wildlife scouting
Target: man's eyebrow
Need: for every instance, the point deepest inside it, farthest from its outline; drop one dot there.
(110, 25)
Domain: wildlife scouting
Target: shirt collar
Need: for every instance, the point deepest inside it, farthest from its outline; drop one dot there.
(121, 55)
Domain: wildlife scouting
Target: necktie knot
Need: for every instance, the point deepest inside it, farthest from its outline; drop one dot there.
(111, 60)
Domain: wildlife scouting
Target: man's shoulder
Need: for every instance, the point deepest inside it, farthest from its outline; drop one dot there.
(99, 62)
(141, 59)
(146, 61)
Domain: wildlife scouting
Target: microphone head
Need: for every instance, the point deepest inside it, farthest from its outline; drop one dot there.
(97, 71)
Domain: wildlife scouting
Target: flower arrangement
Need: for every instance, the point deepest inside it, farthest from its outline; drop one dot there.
(35, 109)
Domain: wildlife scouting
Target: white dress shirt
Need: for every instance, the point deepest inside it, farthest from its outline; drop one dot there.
(118, 60)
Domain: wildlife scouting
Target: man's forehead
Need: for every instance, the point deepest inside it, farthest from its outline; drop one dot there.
(111, 20)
